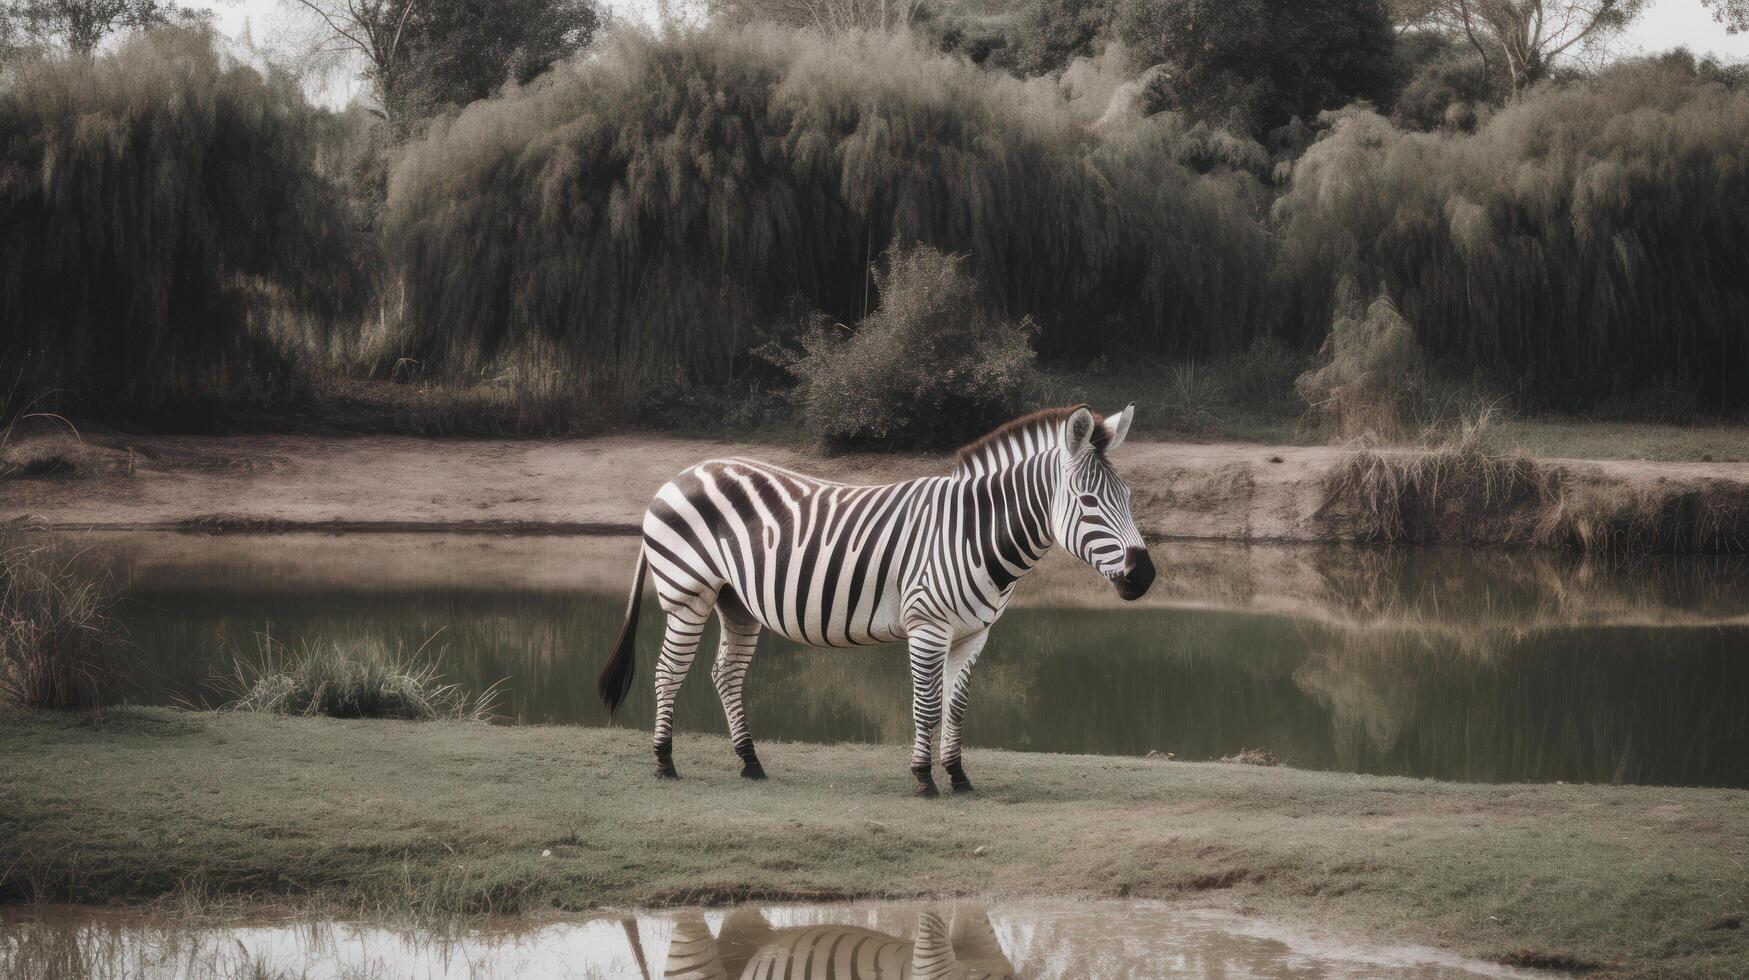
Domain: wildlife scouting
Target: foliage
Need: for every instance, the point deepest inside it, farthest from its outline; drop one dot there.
(427, 56)
(830, 16)
(1575, 243)
(57, 639)
(1445, 84)
(156, 202)
(1047, 34)
(1734, 14)
(1256, 64)
(80, 25)
(648, 209)
(363, 682)
(931, 368)
(1523, 39)
(1370, 367)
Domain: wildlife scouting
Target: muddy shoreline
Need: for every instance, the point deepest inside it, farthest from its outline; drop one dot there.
(600, 486)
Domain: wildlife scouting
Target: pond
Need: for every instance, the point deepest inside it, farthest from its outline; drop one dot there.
(1037, 940)
(1437, 663)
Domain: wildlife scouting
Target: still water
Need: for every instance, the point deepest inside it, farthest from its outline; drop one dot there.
(1438, 663)
(1035, 940)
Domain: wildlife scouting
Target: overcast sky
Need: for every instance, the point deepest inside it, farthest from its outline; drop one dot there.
(1665, 24)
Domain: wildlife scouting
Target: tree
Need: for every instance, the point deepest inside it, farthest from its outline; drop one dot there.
(1734, 14)
(426, 55)
(1522, 39)
(80, 25)
(1265, 60)
(829, 16)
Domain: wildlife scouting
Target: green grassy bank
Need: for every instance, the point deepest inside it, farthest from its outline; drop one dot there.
(441, 818)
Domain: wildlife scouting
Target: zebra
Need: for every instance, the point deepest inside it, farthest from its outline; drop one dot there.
(963, 947)
(931, 561)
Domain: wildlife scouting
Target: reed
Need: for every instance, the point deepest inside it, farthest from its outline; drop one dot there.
(58, 640)
(1575, 243)
(656, 209)
(160, 203)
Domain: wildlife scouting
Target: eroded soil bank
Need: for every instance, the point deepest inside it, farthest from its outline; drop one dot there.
(431, 819)
(1224, 491)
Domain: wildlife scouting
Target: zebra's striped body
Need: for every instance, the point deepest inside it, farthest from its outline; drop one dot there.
(748, 948)
(932, 561)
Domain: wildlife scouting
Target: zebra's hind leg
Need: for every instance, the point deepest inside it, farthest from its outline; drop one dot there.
(679, 643)
(740, 637)
(928, 650)
(960, 658)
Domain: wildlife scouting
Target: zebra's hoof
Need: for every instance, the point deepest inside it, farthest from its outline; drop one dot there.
(962, 785)
(926, 788)
(753, 770)
(666, 772)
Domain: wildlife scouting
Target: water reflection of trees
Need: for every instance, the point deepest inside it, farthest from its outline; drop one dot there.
(1446, 664)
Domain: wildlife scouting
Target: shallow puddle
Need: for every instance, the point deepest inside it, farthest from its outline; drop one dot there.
(1441, 663)
(1046, 940)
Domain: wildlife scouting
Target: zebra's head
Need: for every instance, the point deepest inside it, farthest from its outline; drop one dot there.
(1091, 513)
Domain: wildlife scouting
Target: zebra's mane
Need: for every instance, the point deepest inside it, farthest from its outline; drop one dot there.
(1025, 436)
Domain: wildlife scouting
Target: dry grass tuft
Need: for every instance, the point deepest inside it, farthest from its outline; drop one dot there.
(364, 681)
(58, 640)
(1453, 490)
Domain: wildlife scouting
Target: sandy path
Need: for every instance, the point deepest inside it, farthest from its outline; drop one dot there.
(1227, 491)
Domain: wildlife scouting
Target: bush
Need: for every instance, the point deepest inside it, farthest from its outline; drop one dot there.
(1047, 34)
(1446, 85)
(932, 368)
(57, 639)
(1576, 242)
(363, 682)
(647, 209)
(1371, 368)
(157, 203)
(1257, 64)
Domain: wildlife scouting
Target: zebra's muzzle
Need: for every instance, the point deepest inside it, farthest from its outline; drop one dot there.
(1137, 575)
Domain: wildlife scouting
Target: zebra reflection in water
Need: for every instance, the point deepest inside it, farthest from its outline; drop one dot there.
(748, 948)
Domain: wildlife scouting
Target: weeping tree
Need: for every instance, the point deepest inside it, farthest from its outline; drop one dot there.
(157, 205)
(1576, 243)
(650, 211)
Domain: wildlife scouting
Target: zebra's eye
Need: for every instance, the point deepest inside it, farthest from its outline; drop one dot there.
(1089, 500)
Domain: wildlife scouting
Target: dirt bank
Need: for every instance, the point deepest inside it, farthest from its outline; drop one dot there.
(1226, 491)
(143, 805)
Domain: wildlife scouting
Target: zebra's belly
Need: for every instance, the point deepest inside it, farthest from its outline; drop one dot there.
(845, 625)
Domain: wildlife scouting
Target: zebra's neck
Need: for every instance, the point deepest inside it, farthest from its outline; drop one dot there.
(1015, 504)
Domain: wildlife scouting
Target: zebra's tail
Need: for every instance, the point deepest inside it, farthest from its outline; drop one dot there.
(616, 677)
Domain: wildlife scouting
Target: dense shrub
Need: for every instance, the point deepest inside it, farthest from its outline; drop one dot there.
(153, 202)
(1256, 64)
(1047, 34)
(1588, 242)
(931, 368)
(648, 208)
(1364, 383)
(1445, 85)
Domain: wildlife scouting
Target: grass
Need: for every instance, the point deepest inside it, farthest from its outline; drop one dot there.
(57, 638)
(367, 680)
(1459, 489)
(453, 818)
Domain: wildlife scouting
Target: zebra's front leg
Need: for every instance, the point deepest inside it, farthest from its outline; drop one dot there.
(928, 651)
(960, 658)
(734, 655)
(679, 643)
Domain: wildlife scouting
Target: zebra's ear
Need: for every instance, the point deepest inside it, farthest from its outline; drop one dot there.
(1078, 430)
(1117, 426)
